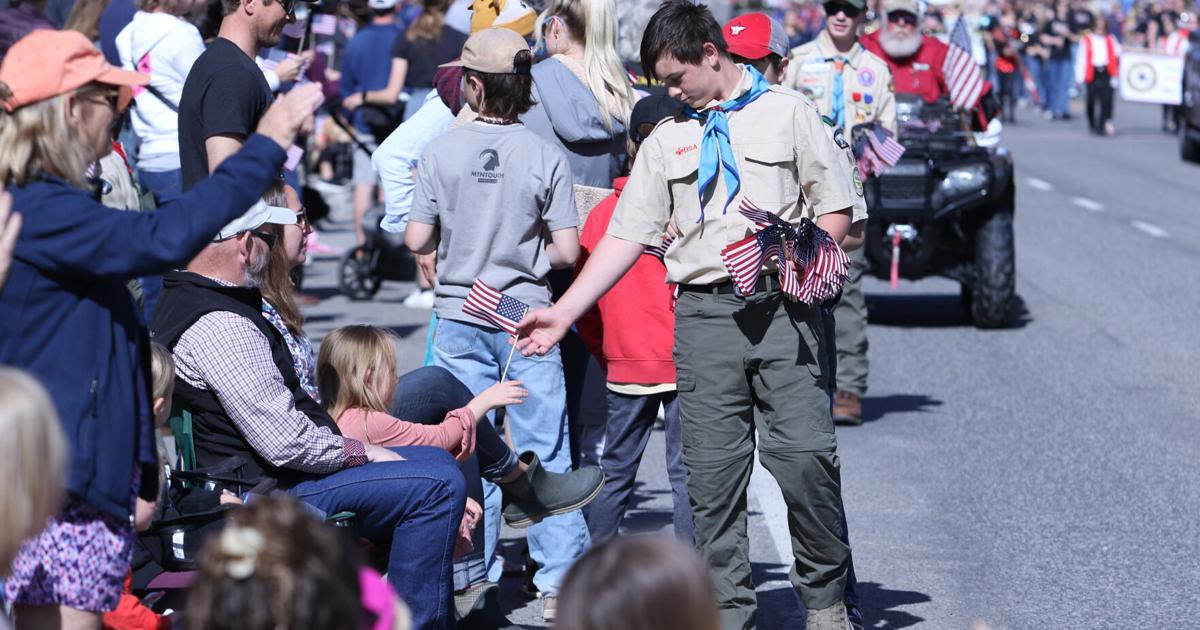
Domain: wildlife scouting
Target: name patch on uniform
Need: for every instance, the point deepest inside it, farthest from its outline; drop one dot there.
(920, 67)
(866, 78)
(682, 150)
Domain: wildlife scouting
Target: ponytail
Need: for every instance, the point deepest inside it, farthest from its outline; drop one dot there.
(428, 25)
(594, 22)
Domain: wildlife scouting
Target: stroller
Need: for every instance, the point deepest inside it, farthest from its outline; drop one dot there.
(363, 269)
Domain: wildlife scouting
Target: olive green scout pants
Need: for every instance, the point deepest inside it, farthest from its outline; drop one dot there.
(850, 324)
(734, 355)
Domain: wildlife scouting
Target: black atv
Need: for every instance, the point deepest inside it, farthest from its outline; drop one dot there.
(946, 208)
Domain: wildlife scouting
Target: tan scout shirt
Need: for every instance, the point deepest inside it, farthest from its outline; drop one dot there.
(788, 162)
(811, 71)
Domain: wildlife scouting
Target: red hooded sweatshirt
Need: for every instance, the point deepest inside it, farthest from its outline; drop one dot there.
(631, 330)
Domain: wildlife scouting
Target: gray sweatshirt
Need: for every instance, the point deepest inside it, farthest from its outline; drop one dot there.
(568, 116)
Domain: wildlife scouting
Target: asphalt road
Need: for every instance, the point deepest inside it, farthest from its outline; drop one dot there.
(1043, 476)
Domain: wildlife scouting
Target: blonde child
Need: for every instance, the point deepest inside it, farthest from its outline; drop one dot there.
(33, 455)
(357, 377)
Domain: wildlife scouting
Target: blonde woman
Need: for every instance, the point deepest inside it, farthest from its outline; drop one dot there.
(582, 91)
(67, 317)
(32, 458)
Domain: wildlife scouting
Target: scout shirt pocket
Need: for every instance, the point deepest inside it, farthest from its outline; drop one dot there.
(681, 168)
(769, 175)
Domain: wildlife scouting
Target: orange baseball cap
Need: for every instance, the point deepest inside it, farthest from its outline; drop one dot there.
(47, 63)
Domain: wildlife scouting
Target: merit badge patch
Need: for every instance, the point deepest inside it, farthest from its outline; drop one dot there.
(858, 185)
(866, 78)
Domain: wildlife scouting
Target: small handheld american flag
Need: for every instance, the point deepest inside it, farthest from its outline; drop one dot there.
(493, 306)
(824, 265)
(660, 252)
(960, 70)
(875, 149)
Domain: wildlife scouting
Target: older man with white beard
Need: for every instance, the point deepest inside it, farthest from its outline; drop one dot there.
(914, 58)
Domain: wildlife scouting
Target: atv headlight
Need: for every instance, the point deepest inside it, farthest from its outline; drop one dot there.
(965, 179)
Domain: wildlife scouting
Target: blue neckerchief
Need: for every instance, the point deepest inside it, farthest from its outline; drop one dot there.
(838, 107)
(716, 153)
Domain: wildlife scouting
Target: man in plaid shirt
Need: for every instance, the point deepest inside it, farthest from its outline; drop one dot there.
(234, 374)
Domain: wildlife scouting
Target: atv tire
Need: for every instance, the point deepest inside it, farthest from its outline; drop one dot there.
(1189, 150)
(995, 269)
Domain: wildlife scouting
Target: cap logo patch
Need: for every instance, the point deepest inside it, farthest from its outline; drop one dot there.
(736, 30)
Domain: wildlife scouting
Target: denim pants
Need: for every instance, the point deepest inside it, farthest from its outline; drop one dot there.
(417, 504)
(167, 186)
(476, 355)
(630, 421)
(1062, 75)
(424, 396)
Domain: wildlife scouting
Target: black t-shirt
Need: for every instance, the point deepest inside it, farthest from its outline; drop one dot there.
(1081, 20)
(225, 93)
(424, 56)
(1061, 28)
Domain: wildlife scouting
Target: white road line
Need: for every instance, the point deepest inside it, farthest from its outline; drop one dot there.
(1039, 184)
(1149, 228)
(1088, 204)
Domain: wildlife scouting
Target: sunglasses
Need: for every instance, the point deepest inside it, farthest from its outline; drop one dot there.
(302, 217)
(289, 7)
(109, 97)
(267, 237)
(834, 8)
(902, 17)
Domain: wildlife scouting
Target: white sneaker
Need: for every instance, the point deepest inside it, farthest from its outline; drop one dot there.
(421, 298)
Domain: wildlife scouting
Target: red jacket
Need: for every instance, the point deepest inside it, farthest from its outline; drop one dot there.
(631, 330)
(922, 74)
(918, 74)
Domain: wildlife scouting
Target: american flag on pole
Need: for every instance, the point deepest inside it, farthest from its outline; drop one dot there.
(824, 265)
(493, 306)
(875, 148)
(960, 70)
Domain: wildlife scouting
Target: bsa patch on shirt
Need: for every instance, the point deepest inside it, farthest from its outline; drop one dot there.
(866, 78)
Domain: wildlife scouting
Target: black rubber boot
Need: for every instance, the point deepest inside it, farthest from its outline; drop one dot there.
(539, 493)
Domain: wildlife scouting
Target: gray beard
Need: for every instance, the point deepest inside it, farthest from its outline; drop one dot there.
(900, 47)
(254, 274)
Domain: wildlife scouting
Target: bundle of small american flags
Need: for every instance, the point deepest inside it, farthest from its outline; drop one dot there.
(821, 267)
(875, 149)
(493, 306)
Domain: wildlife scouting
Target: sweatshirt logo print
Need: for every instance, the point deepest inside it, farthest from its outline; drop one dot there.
(489, 161)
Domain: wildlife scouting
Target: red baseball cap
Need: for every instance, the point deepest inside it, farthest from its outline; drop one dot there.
(755, 35)
(47, 63)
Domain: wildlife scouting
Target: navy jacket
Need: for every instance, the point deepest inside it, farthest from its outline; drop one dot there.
(67, 318)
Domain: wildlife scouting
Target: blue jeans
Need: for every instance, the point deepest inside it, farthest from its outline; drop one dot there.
(417, 504)
(1062, 75)
(630, 421)
(424, 396)
(167, 186)
(476, 355)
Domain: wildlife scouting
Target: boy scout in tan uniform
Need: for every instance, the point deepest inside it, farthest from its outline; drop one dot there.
(823, 70)
(734, 355)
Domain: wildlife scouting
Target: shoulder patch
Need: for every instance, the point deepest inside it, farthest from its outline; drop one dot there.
(839, 137)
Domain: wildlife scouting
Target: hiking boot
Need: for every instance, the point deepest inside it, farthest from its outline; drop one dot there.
(832, 618)
(847, 409)
(539, 493)
(549, 608)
